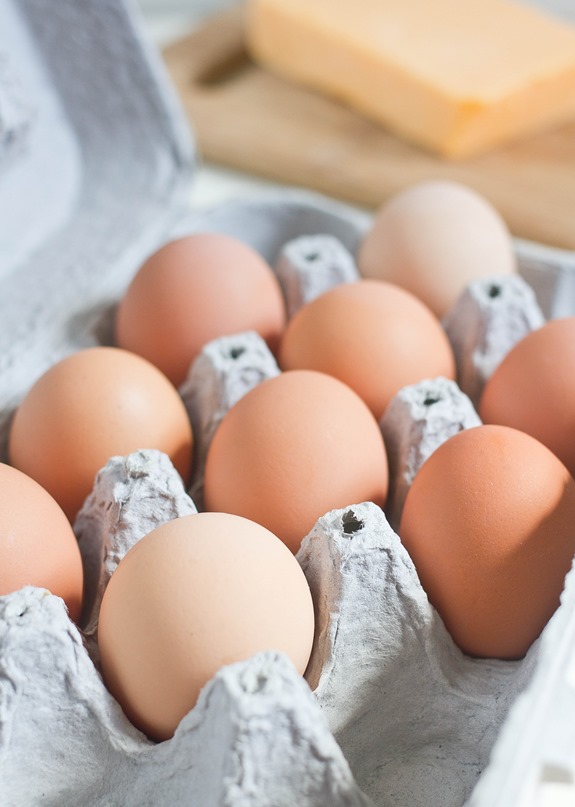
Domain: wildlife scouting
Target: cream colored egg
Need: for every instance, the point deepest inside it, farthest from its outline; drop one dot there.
(433, 239)
(193, 595)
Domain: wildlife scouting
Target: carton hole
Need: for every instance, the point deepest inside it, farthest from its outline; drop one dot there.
(351, 523)
(236, 352)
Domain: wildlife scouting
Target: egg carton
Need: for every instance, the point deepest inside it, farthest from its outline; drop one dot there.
(391, 712)
(398, 714)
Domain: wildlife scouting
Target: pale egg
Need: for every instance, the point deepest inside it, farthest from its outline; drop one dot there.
(193, 595)
(433, 239)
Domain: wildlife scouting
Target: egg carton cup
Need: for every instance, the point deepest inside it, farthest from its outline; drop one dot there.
(390, 711)
(533, 761)
(255, 737)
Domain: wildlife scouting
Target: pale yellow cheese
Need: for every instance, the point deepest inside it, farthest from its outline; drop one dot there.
(455, 76)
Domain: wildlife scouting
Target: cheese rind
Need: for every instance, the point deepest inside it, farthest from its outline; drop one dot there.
(457, 79)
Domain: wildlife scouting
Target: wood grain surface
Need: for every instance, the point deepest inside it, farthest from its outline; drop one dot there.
(249, 119)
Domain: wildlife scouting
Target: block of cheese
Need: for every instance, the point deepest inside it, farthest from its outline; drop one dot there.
(455, 76)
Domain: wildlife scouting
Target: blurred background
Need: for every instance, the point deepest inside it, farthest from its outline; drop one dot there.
(170, 20)
(167, 21)
(167, 16)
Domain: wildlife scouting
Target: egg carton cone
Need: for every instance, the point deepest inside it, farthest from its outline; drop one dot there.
(488, 319)
(390, 712)
(131, 496)
(224, 372)
(309, 265)
(417, 420)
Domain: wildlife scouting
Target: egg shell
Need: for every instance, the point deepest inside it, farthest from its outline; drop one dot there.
(533, 389)
(435, 237)
(373, 336)
(193, 290)
(294, 447)
(197, 593)
(489, 524)
(90, 406)
(37, 545)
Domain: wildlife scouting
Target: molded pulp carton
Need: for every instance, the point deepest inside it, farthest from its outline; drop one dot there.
(95, 168)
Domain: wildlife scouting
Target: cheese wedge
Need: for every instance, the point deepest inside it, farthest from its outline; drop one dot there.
(455, 76)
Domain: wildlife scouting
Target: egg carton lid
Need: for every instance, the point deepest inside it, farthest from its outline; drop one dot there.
(96, 159)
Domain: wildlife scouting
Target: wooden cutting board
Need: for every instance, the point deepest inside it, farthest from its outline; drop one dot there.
(248, 119)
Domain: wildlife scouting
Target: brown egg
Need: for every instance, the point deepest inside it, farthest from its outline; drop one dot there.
(533, 389)
(195, 594)
(295, 447)
(90, 406)
(37, 545)
(371, 335)
(193, 290)
(489, 522)
(433, 239)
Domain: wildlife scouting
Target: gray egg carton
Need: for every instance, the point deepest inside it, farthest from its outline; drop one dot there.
(390, 711)
(92, 147)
